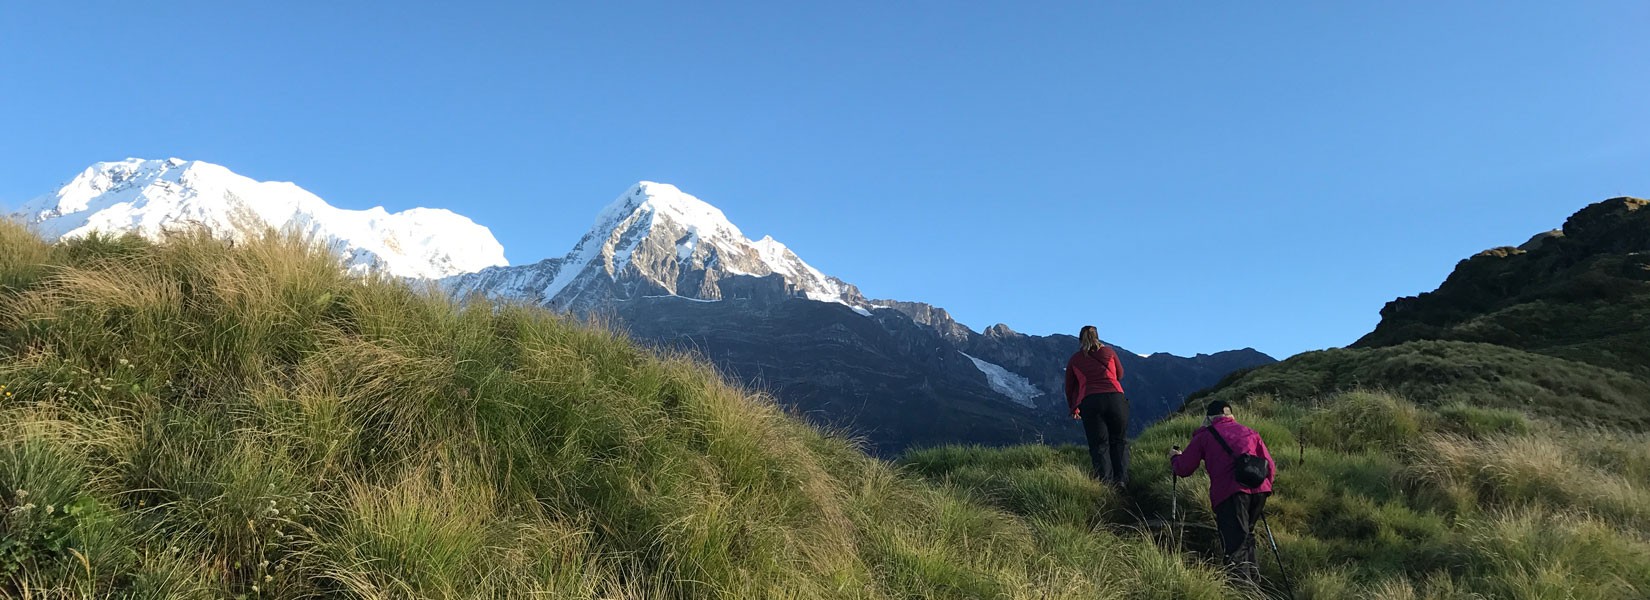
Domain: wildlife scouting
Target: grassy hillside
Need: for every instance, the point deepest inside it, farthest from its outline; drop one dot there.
(1377, 498)
(190, 420)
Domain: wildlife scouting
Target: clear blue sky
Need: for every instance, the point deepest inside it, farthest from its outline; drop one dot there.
(1189, 176)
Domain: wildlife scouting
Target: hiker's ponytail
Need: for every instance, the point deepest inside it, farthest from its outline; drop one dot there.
(1089, 337)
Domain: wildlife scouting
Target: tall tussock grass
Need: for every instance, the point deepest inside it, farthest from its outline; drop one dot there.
(204, 419)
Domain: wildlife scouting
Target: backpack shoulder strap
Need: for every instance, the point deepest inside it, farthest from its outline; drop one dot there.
(1222, 440)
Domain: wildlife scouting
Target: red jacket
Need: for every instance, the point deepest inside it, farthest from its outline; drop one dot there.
(1096, 372)
(1205, 449)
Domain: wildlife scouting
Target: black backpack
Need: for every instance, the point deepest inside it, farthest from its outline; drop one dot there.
(1251, 470)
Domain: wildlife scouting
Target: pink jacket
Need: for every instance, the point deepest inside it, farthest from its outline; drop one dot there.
(1204, 449)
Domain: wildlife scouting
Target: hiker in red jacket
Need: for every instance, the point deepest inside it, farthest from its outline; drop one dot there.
(1237, 507)
(1094, 394)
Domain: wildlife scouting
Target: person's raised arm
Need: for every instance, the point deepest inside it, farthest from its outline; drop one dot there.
(1185, 463)
(1117, 366)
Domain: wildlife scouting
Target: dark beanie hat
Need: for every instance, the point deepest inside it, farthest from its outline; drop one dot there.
(1216, 408)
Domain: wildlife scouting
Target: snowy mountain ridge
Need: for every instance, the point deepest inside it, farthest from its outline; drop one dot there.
(656, 240)
(153, 197)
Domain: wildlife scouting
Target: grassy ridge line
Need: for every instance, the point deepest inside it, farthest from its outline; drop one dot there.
(1441, 373)
(192, 420)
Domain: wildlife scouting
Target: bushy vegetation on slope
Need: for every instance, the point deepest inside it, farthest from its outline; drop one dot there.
(194, 420)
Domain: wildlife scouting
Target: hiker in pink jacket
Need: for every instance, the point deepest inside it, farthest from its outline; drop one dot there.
(1237, 507)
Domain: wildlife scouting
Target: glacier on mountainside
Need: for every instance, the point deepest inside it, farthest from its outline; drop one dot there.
(1005, 382)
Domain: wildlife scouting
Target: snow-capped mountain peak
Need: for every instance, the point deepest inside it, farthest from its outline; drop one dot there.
(652, 199)
(152, 197)
(654, 240)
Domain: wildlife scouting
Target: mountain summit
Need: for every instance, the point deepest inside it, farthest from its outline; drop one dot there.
(656, 240)
(152, 197)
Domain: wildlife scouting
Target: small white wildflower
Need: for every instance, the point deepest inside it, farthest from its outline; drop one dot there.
(50, 509)
(269, 578)
(124, 362)
(21, 494)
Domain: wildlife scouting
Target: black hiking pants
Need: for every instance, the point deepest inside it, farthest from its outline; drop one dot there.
(1106, 424)
(1235, 518)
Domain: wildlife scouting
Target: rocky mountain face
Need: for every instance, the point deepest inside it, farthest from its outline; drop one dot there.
(152, 197)
(1581, 292)
(897, 382)
(883, 378)
(672, 270)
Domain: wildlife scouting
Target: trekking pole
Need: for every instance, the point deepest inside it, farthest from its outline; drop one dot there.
(1173, 498)
(1174, 503)
(1288, 587)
